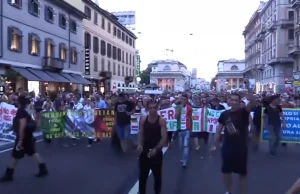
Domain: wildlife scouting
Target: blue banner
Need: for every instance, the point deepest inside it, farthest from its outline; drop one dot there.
(290, 134)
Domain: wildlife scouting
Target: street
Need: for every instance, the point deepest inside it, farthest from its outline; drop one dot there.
(99, 169)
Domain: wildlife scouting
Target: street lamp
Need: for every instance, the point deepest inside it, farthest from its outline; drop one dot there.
(138, 79)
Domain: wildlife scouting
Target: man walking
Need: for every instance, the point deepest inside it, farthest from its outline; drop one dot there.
(152, 137)
(235, 146)
(183, 114)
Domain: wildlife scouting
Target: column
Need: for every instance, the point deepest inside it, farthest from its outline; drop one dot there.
(238, 83)
(231, 82)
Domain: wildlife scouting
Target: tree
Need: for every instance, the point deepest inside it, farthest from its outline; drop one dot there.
(145, 76)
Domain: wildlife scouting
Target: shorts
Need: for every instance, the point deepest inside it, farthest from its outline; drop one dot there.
(123, 132)
(28, 148)
(234, 161)
(196, 135)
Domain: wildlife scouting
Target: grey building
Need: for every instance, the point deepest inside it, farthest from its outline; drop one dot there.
(268, 37)
(41, 45)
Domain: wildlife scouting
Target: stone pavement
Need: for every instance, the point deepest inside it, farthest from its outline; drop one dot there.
(99, 169)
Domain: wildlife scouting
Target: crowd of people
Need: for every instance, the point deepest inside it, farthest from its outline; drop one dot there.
(153, 134)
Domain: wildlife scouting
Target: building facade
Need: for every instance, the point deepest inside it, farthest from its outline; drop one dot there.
(294, 51)
(269, 38)
(230, 75)
(41, 46)
(111, 48)
(194, 78)
(170, 75)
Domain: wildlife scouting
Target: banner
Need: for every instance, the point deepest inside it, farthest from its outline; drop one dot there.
(290, 134)
(7, 113)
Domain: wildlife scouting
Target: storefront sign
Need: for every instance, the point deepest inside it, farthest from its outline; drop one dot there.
(138, 68)
(87, 65)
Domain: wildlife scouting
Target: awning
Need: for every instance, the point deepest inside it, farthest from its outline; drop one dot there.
(71, 78)
(81, 79)
(26, 74)
(43, 75)
(58, 77)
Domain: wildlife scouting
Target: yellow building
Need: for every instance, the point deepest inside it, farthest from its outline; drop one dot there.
(109, 49)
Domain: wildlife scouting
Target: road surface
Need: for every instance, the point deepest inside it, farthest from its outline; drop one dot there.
(100, 170)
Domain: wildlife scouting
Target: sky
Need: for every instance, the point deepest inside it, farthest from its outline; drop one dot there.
(216, 27)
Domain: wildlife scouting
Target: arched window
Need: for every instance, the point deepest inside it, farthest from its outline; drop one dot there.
(119, 85)
(234, 68)
(167, 68)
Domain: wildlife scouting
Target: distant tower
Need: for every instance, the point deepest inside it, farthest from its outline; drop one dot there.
(97, 2)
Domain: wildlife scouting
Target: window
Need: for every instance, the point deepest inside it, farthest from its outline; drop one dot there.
(126, 58)
(34, 7)
(119, 70)
(33, 44)
(62, 51)
(102, 64)
(130, 41)
(114, 53)
(119, 33)
(103, 23)
(87, 40)
(291, 34)
(126, 73)
(103, 48)
(108, 66)
(115, 31)
(129, 72)
(49, 14)
(133, 73)
(95, 18)
(15, 3)
(123, 58)
(133, 43)
(119, 54)
(88, 12)
(108, 27)
(95, 63)
(73, 57)
(73, 26)
(62, 20)
(133, 60)
(123, 36)
(49, 48)
(108, 50)
(14, 39)
(291, 15)
(114, 68)
(234, 68)
(122, 70)
(129, 59)
(95, 45)
(126, 39)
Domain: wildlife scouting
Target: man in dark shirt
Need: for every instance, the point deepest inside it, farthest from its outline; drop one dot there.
(235, 149)
(272, 115)
(123, 111)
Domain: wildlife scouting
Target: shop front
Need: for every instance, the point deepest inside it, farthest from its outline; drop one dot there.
(105, 82)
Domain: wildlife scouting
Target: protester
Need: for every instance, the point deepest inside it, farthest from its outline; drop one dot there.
(24, 127)
(152, 137)
(235, 150)
(183, 114)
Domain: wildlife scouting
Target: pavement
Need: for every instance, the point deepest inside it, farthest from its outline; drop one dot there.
(101, 170)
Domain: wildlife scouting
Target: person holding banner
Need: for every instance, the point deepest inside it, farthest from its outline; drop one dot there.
(152, 138)
(183, 114)
(235, 145)
(24, 127)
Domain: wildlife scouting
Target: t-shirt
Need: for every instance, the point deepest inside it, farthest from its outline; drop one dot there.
(236, 128)
(21, 113)
(273, 115)
(121, 109)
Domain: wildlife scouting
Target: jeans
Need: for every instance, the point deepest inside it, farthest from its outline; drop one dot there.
(274, 139)
(184, 141)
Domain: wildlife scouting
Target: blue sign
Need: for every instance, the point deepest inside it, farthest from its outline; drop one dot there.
(290, 134)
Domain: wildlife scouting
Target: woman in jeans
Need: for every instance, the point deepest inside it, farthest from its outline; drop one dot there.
(25, 142)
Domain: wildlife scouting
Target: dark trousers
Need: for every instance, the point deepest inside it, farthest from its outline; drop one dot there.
(170, 135)
(155, 165)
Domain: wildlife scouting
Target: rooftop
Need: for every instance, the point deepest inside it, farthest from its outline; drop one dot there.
(156, 62)
(68, 7)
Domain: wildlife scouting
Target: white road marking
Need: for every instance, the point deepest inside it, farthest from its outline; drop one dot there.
(3, 151)
(135, 188)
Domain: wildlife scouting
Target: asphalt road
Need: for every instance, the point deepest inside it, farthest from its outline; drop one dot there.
(100, 170)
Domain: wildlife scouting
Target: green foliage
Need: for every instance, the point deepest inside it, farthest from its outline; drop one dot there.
(145, 76)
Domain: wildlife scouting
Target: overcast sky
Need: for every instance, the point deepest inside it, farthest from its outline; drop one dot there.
(216, 25)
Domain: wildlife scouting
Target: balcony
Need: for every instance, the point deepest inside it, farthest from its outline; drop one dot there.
(52, 63)
(295, 3)
(284, 23)
(260, 37)
(295, 50)
(259, 67)
(281, 60)
(272, 25)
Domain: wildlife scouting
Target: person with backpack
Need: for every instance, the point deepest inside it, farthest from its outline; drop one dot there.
(24, 126)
